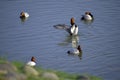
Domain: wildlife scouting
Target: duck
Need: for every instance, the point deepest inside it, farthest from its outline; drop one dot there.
(76, 51)
(24, 15)
(87, 16)
(32, 63)
(72, 30)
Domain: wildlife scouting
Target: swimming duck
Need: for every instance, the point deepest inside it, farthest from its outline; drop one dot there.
(76, 51)
(87, 16)
(32, 62)
(24, 15)
(72, 30)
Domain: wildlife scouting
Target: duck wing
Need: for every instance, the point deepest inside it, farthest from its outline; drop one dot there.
(61, 26)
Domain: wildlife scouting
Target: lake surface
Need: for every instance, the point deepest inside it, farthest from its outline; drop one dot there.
(99, 41)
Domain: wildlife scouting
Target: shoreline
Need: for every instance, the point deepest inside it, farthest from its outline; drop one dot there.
(19, 71)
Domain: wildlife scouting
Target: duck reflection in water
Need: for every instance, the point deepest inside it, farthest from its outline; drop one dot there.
(75, 41)
(23, 19)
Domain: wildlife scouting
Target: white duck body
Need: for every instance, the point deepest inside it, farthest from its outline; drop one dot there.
(74, 52)
(31, 63)
(74, 30)
(88, 17)
(26, 14)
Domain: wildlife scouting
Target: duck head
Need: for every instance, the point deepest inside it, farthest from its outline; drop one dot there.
(22, 15)
(72, 21)
(88, 13)
(79, 48)
(33, 59)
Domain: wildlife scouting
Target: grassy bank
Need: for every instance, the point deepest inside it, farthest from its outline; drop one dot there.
(61, 75)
